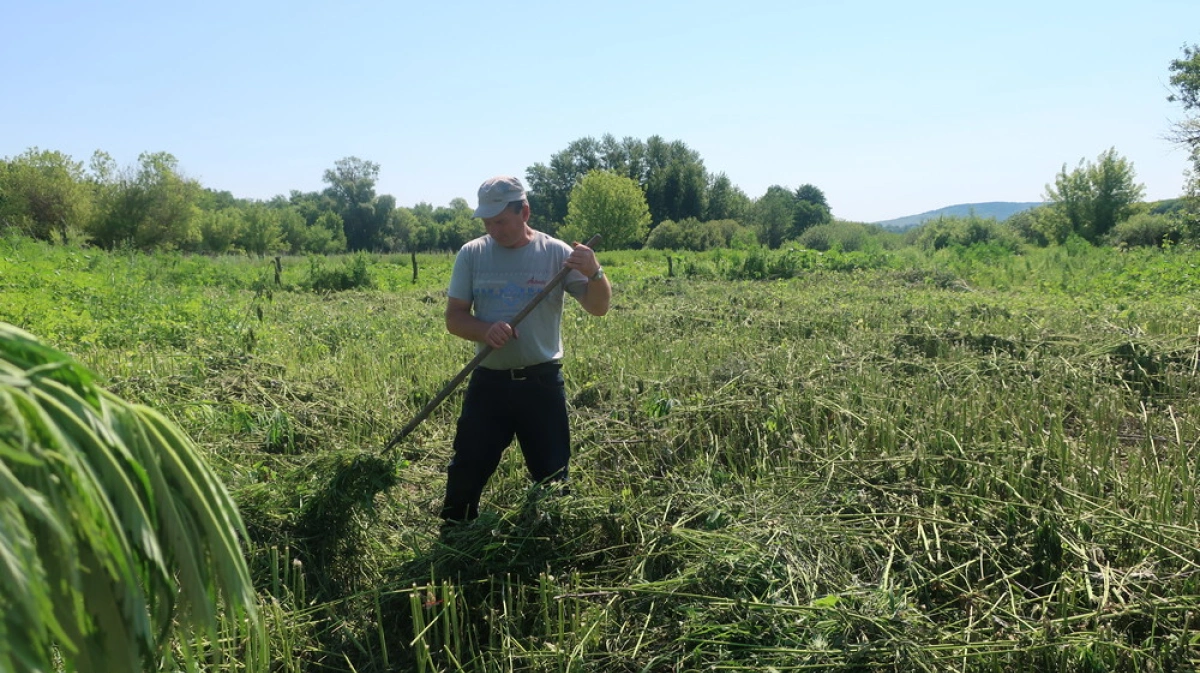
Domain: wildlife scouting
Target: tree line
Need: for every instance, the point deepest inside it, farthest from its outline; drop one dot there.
(654, 193)
(152, 204)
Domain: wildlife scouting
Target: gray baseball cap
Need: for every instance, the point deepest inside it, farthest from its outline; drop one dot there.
(496, 193)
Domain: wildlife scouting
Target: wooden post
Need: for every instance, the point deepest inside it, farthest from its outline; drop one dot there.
(670, 267)
(278, 272)
(414, 263)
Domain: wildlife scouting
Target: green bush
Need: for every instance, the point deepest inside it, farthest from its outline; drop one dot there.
(766, 264)
(692, 234)
(353, 275)
(1029, 225)
(965, 232)
(845, 236)
(1145, 229)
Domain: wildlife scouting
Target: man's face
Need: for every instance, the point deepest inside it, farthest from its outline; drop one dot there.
(508, 228)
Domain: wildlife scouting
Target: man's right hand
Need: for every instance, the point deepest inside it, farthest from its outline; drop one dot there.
(499, 333)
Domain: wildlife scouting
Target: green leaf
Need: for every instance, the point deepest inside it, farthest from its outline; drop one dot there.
(107, 514)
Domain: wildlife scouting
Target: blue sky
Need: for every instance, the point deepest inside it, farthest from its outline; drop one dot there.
(890, 108)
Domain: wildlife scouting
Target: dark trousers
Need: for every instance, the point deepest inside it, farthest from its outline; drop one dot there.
(530, 404)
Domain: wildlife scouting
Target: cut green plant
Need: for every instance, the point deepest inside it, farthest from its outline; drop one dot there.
(121, 543)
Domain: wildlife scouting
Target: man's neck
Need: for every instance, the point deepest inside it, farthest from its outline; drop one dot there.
(525, 240)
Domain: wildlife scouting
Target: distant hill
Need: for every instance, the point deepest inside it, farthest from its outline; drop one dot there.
(1001, 210)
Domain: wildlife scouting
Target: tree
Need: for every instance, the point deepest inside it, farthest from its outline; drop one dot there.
(43, 194)
(457, 210)
(806, 215)
(220, 229)
(610, 205)
(169, 201)
(263, 232)
(458, 231)
(384, 205)
(1148, 229)
(1185, 78)
(671, 175)
(399, 233)
(456, 224)
(1094, 198)
(313, 205)
(149, 206)
(947, 231)
(725, 200)
(676, 181)
(327, 235)
(211, 199)
(1117, 192)
(352, 189)
(295, 233)
(550, 186)
(351, 181)
(426, 231)
(811, 209)
(1071, 199)
(117, 538)
(626, 156)
(774, 213)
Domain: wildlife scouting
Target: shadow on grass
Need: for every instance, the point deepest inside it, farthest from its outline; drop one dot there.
(481, 583)
(444, 600)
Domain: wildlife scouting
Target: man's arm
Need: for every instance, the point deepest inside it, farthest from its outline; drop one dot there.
(596, 299)
(462, 323)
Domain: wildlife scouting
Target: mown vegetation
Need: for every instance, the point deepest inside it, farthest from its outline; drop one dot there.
(967, 458)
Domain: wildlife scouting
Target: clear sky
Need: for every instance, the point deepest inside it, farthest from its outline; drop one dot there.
(891, 108)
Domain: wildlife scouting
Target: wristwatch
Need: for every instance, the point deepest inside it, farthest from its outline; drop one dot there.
(598, 275)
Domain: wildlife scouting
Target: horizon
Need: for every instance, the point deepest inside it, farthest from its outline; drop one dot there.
(890, 111)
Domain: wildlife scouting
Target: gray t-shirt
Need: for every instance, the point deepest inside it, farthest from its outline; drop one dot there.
(500, 281)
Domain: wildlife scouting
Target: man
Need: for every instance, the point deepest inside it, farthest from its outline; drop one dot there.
(517, 390)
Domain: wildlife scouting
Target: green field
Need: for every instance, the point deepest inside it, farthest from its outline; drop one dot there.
(966, 460)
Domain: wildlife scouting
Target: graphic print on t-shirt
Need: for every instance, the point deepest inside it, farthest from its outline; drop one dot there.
(516, 295)
(511, 295)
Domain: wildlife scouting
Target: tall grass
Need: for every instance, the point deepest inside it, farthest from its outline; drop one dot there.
(964, 460)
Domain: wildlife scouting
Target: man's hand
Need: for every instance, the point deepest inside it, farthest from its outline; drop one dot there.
(499, 333)
(596, 298)
(461, 323)
(583, 259)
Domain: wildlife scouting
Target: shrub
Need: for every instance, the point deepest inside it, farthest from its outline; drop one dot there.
(845, 236)
(765, 264)
(353, 275)
(965, 232)
(220, 229)
(667, 235)
(1145, 229)
(692, 234)
(1029, 226)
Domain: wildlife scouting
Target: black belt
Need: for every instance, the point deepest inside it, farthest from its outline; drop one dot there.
(521, 373)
